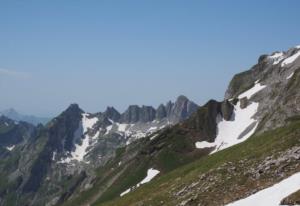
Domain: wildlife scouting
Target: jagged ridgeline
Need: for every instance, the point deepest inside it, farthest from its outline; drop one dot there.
(51, 164)
(177, 154)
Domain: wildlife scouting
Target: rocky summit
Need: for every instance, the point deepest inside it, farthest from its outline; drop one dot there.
(237, 151)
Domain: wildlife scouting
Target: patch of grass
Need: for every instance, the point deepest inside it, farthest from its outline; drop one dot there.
(133, 175)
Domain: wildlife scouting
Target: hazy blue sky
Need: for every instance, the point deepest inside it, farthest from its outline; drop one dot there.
(99, 53)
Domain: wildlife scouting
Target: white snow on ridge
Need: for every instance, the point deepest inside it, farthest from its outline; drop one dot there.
(11, 147)
(250, 92)
(272, 195)
(277, 57)
(290, 59)
(151, 173)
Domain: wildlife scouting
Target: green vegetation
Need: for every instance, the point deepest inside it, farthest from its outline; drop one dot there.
(254, 149)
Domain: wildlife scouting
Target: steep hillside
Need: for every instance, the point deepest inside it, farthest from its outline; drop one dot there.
(261, 103)
(225, 176)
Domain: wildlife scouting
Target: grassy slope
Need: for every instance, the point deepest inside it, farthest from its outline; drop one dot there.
(254, 149)
(180, 151)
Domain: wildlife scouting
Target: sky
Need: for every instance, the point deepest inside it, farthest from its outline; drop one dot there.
(145, 52)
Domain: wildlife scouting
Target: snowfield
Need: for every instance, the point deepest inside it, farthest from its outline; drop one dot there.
(249, 93)
(290, 59)
(273, 195)
(151, 173)
(232, 132)
(239, 128)
(81, 150)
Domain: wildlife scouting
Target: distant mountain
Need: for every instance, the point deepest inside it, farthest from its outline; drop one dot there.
(14, 115)
(65, 152)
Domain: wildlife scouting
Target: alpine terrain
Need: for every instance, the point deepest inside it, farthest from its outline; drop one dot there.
(243, 150)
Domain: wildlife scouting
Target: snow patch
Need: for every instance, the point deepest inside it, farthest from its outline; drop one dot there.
(153, 137)
(108, 129)
(122, 127)
(235, 131)
(125, 192)
(151, 173)
(10, 148)
(88, 123)
(204, 144)
(277, 57)
(290, 59)
(250, 92)
(81, 149)
(152, 129)
(53, 156)
(290, 76)
(272, 195)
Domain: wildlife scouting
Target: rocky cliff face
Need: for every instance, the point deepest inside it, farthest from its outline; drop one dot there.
(172, 112)
(279, 74)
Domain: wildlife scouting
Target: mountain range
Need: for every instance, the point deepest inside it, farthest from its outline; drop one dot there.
(238, 151)
(14, 115)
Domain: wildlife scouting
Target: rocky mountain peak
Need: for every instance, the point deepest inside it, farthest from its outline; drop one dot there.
(181, 98)
(147, 114)
(161, 112)
(131, 115)
(112, 114)
(73, 108)
(181, 109)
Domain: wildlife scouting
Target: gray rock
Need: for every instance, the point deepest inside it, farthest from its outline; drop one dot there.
(112, 114)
